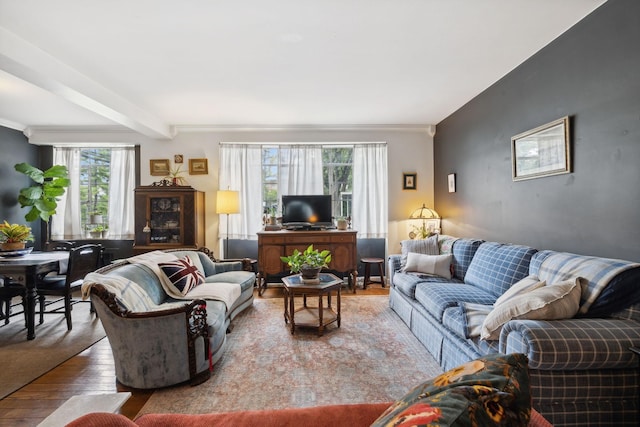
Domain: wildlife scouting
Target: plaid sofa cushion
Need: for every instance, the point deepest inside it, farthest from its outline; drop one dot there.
(437, 297)
(463, 252)
(407, 282)
(497, 266)
(611, 282)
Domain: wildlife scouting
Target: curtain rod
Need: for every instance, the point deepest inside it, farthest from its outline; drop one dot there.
(304, 143)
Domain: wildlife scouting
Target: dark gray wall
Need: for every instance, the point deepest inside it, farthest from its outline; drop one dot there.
(14, 148)
(592, 74)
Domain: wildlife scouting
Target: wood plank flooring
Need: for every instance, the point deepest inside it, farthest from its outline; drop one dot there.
(90, 372)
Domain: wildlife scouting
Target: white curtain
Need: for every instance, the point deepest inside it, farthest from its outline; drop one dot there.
(301, 170)
(241, 170)
(66, 223)
(122, 182)
(370, 190)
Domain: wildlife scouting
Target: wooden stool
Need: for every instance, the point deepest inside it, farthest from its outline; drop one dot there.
(368, 262)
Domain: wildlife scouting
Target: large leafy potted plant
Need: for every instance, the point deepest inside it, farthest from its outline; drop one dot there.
(43, 195)
(14, 236)
(308, 263)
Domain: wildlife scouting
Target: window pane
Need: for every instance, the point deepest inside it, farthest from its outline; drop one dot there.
(338, 177)
(337, 173)
(94, 187)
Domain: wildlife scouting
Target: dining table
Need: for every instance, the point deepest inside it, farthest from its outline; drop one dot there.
(26, 270)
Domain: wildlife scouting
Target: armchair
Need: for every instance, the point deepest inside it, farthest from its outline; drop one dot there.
(159, 341)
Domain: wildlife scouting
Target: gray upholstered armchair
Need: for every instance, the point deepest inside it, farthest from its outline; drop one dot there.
(157, 340)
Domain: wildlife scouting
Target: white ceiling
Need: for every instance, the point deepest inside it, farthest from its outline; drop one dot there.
(151, 65)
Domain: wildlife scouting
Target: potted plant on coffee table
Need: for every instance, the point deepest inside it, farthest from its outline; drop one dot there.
(14, 236)
(308, 262)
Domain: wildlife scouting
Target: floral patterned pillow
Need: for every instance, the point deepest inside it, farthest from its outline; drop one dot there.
(493, 390)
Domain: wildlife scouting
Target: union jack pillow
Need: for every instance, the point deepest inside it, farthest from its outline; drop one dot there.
(183, 274)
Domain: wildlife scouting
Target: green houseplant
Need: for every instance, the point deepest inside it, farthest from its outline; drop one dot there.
(14, 236)
(98, 231)
(42, 196)
(175, 176)
(308, 263)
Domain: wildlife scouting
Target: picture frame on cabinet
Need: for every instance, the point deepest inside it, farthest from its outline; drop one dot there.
(198, 167)
(409, 181)
(159, 167)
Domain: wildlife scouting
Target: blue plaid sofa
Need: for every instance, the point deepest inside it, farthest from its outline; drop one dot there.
(582, 371)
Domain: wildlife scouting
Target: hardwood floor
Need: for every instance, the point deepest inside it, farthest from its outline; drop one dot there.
(91, 372)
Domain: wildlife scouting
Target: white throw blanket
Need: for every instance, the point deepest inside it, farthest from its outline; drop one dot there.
(128, 293)
(219, 291)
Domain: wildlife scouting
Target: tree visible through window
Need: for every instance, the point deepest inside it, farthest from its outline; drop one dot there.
(337, 173)
(94, 188)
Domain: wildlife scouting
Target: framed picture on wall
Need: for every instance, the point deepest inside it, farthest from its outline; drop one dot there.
(159, 167)
(542, 151)
(409, 181)
(198, 167)
(451, 180)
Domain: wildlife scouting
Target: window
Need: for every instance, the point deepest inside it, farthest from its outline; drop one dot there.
(94, 188)
(337, 177)
(99, 202)
(355, 175)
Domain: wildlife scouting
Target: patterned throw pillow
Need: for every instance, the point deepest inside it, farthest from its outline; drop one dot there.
(183, 273)
(493, 390)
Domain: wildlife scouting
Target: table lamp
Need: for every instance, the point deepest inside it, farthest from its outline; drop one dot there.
(424, 213)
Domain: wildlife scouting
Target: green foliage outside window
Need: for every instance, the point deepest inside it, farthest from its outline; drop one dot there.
(94, 183)
(337, 173)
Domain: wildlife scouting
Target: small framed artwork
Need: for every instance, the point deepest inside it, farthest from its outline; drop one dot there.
(451, 180)
(409, 181)
(198, 167)
(159, 167)
(178, 158)
(542, 151)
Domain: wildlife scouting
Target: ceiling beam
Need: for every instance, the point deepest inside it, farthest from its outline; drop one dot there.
(29, 63)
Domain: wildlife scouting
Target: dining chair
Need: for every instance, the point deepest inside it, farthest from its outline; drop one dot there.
(82, 261)
(8, 291)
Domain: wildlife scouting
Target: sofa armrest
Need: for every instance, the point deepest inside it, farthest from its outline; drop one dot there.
(573, 344)
(181, 332)
(393, 266)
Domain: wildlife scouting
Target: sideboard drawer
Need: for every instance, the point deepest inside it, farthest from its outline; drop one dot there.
(308, 239)
(344, 238)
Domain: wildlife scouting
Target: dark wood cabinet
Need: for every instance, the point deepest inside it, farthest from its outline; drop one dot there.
(168, 217)
(274, 244)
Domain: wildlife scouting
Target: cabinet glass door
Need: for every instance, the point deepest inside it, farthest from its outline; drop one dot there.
(166, 227)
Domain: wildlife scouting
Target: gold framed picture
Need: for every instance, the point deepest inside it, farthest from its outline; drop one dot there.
(198, 167)
(409, 181)
(178, 158)
(159, 167)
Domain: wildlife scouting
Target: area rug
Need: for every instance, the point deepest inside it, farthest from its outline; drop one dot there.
(23, 361)
(372, 357)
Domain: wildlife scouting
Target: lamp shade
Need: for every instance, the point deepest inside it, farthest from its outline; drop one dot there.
(424, 213)
(227, 202)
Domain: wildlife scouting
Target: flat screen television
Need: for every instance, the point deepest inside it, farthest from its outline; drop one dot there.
(306, 211)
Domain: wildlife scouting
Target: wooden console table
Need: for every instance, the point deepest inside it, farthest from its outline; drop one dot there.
(274, 244)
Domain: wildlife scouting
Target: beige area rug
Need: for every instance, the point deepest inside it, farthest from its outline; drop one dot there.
(372, 357)
(23, 361)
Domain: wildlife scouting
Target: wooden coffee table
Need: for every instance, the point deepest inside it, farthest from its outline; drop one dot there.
(315, 317)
